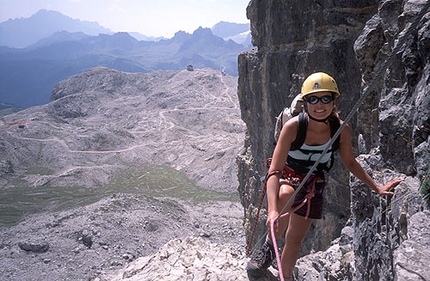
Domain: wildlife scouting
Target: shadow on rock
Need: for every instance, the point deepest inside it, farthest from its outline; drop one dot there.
(261, 275)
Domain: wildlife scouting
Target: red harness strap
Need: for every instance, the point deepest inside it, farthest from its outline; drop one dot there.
(289, 174)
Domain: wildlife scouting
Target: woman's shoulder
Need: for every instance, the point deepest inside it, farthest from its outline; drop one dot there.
(341, 123)
(293, 122)
(346, 127)
(290, 128)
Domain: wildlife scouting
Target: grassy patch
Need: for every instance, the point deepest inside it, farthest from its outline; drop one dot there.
(164, 182)
(21, 200)
(425, 187)
(39, 171)
(153, 181)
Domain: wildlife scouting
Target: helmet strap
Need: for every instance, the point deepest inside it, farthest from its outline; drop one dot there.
(319, 120)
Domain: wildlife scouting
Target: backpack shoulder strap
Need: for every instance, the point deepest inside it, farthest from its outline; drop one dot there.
(334, 126)
(301, 132)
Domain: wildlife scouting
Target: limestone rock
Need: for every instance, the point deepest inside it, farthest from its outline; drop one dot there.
(350, 41)
(35, 247)
(410, 259)
(191, 258)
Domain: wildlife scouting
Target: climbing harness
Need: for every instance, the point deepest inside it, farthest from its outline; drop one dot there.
(366, 92)
(290, 174)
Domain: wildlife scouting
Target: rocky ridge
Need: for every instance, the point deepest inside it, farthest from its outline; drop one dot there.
(105, 120)
(362, 236)
(114, 167)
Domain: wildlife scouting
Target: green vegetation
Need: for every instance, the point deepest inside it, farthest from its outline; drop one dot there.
(19, 200)
(425, 186)
(38, 170)
(164, 182)
(153, 181)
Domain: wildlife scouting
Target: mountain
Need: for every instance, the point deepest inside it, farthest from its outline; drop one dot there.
(22, 32)
(227, 29)
(116, 165)
(146, 117)
(6, 109)
(142, 37)
(59, 36)
(28, 74)
(238, 32)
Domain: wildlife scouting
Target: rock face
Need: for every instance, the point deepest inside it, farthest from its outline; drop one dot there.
(295, 40)
(349, 40)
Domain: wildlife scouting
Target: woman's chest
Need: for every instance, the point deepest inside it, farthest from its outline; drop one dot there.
(317, 137)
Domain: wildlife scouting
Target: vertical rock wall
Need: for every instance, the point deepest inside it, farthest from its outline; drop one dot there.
(294, 39)
(349, 40)
(396, 144)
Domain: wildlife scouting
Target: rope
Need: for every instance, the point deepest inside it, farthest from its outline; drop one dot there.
(260, 204)
(286, 172)
(257, 216)
(366, 92)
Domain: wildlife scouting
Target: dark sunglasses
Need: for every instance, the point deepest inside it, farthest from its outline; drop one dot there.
(324, 99)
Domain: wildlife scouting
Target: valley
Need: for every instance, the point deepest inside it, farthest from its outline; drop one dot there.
(127, 161)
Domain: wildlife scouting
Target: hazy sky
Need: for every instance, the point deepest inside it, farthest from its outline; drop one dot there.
(149, 17)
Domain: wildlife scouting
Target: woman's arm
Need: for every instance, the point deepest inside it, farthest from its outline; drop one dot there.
(348, 159)
(287, 136)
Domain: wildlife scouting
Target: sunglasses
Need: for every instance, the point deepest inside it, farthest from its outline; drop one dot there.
(324, 99)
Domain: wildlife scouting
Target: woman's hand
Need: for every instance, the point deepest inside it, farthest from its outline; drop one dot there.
(271, 216)
(386, 189)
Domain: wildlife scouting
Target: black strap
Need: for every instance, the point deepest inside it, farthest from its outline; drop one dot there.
(301, 132)
(334, 126)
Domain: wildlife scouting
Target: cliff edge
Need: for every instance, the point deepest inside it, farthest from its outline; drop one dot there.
(372, 236)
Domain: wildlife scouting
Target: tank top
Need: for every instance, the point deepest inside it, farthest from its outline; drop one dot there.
(307, 155)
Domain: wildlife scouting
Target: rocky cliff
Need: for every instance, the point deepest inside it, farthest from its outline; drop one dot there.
(350, 40)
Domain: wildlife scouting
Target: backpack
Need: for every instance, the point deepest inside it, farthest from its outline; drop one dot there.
(294, 109)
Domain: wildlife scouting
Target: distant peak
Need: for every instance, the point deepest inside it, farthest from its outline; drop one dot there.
(203, 32)
(44, 12)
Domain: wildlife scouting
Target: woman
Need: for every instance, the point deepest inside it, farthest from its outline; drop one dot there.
(319, 92)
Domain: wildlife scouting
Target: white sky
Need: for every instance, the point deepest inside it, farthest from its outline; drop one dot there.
(148, 17)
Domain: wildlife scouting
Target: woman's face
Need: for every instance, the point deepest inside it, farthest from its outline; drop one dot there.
(320, 105)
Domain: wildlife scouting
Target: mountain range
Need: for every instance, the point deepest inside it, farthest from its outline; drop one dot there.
(38, 52)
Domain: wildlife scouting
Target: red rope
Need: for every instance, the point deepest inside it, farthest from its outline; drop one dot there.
(260, 204)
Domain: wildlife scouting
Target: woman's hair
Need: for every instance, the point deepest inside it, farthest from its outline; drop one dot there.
(334, 113)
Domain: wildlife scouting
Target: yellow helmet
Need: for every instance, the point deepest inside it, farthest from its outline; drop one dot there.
(319, 82)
